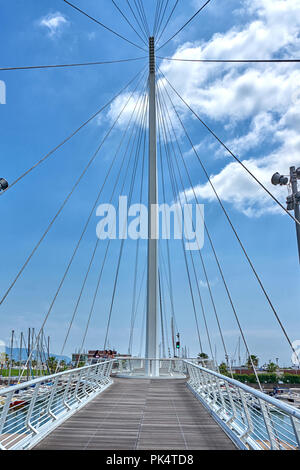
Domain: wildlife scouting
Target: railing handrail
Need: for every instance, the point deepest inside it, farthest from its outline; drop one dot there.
(132, 358)
(46, 378)
(41, 413)
(272, 401)
(25, 384)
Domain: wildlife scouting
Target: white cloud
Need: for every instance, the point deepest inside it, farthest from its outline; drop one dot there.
(211, 283)
(91, 36)
(266, 96)
(234, 185)
(54, 23)
(262, 127)
(118, 105)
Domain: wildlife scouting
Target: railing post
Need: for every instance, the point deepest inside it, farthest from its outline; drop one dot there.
(86, 377)
(190, 373)
(195, 378)
(205, 383)
(100, 373)
(51, 398)
(31, 407)
(107, 371)
(213, 381)
(296, 426)
(199, 378)
(67, 391)
(79, 377)
(5, 410)
(268, 423)
(249, 428)
(212, 389)
(223, 407)
(232, 404)
(93, 378)
(110, 369)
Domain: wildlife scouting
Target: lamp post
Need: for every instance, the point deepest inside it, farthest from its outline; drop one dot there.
(293, 200)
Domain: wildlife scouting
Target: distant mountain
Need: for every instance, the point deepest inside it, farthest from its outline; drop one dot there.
(16, 355)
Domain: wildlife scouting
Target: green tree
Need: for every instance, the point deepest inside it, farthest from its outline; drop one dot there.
(272, 367)
(202, 356)
(223, 368)
(6, 359)
(252, 359)
(52, 364)
(62, 365)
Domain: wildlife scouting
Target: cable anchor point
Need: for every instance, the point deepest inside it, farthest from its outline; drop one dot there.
(151, 54)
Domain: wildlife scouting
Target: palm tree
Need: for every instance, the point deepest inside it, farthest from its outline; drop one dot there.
(63, 364)
(223, 368)
(202, 356)
(272, 367)
(52, 364)
(252, 360)
(6, 359)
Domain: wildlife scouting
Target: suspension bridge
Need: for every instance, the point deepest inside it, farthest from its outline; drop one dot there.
(151, 400)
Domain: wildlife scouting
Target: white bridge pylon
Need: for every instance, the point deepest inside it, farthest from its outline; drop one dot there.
(152, 350)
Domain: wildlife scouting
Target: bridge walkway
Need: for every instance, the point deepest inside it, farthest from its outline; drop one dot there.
(136, 414)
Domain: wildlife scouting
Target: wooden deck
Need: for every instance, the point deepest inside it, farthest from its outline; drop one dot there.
(140, 414)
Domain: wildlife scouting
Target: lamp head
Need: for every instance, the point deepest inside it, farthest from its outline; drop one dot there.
(3, 184)
(278, 179)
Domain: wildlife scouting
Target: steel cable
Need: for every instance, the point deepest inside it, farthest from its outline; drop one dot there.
(130, 24)
(76, 185)
(97, 242)
(210, 240)
(231, 153)
(101, 24)
(233, 229)
(188, 22)
(83, 64)
(71, 135)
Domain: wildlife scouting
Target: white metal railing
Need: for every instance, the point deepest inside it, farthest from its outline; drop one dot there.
(31, 410)
(253, 419)
(133, 366)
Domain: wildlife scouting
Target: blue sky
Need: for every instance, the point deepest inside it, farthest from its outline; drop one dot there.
(253, 109)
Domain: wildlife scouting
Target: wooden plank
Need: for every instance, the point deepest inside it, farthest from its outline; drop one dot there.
(136, 414)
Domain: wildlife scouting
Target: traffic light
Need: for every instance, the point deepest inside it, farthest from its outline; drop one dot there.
(177, 344)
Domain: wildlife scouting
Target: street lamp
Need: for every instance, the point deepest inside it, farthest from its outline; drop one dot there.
(293, 200)
(3, 184)
(277, 179)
